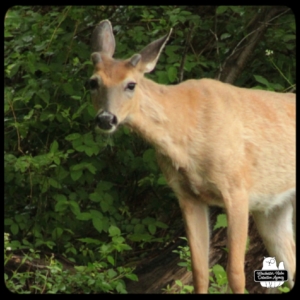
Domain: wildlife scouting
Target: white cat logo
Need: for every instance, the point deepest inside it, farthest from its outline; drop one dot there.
(269, 263)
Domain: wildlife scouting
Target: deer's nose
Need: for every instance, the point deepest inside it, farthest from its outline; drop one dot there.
(106, 121)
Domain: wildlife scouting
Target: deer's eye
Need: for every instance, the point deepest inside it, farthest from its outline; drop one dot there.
(130, 86)
(93, 84)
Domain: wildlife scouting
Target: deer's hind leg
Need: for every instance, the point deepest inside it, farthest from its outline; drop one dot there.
(276, 230)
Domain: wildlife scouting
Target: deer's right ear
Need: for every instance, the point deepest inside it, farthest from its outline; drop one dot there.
(103, 39)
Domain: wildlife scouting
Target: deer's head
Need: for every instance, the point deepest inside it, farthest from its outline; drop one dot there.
(115, 88)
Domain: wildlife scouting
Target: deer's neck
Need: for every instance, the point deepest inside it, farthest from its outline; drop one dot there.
(157, 119)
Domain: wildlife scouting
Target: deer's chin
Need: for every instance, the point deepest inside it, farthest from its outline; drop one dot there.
(105, 131)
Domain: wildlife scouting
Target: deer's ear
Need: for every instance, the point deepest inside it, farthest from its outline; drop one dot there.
(135, 59)
(95, 57)
(150, 54)
(103, 39)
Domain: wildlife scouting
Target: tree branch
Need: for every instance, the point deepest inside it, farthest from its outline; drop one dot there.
(181, 68)
(237, 60)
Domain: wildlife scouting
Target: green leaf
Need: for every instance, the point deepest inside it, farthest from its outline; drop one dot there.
(149, 155)
(98, 224)
(114, 230)
(118, 239)
(120, 288)
(76, 97)
(90, 241)
(162, 77)
(172, 73)
(73, 136)
(106, 202)
(14, 228)
(138, 237)
(68, 89)
(44, 95)
(95, 149)
(8, 221)
(56, 233)
(54, 147)
(79, 148)
(56, 160)
(152, 228)
(139, 228)
(221, 9)
(74, 207)
(238, 9)
(78, 167)
(225, 36)
(96, 214)
(284, 289)
(179, 283)
(150, 159)
(104, 186)
(84, 216)
(31, 67)
(289, 37)
(148, 221)
(61, 173)
(111, 260)
(54, 183)
(124, 247)
(62, 202)
(88, 139)
(89, 151)
(96, 197)
(104, 205)
(220, 274)
(132, 277)
(111, 273)
(43, 67)
(61, 206)
(161, 224)
(60, 198)
(91, 168)
(262, 80)
(221, 221)
(75, 175)
(162, 180)
(44, 186)
(91, 111)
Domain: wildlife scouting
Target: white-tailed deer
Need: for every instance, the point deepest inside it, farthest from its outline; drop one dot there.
(216, 144)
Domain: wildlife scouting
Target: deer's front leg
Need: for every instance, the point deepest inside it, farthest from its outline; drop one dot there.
(237, 231)
(195, 214)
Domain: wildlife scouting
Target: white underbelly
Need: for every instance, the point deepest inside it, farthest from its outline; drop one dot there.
(265, 203)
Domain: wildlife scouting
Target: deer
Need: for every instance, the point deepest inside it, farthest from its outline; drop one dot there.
(216, 144)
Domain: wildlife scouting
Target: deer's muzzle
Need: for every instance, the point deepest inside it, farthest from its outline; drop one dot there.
(106, 121)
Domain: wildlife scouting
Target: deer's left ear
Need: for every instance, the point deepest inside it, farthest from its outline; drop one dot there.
(149, 55)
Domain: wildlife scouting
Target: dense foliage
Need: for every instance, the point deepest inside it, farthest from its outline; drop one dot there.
(94, 199)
